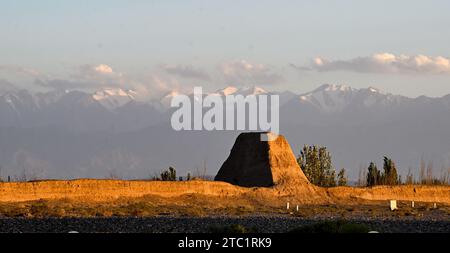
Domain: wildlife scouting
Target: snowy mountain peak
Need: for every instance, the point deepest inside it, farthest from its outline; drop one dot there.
(227, 90)
(329, 97)
(334, 98)
(333, 87)
(106, 93)
(114, 98)
(171, 94)
(374, 90)
(232, 90)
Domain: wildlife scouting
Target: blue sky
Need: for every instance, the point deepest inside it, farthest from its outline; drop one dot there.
(267, 43)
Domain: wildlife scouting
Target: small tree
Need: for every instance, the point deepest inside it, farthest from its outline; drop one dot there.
(188, 177)
(316, 165)
(169, 175)
(390, 176)
(342, 178)
(373, 175)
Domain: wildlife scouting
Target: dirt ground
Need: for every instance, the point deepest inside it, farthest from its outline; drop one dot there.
(110, 198)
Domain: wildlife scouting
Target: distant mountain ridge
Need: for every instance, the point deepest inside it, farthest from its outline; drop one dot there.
(81, 134)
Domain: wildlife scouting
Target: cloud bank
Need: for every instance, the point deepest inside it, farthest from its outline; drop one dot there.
(386, 63)
(88, 77)
(96, 77)
(246, 73)
(20, 70)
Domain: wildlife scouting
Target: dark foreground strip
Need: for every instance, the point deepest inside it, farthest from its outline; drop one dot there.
(257, 224)
(224, 242)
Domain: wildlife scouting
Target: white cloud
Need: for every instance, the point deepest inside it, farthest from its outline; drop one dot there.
(386, 63)
(98, 72)
(96, 77)
(246, 73)
(104, 69)
(89, 77)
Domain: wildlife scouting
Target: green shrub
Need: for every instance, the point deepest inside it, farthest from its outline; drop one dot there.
(169, 175)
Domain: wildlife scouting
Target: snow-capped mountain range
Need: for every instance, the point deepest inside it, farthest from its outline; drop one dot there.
(327, 98)
(82, 134)
(113, 98)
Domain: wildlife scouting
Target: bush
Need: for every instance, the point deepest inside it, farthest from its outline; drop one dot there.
(169, 175)
(342, 178)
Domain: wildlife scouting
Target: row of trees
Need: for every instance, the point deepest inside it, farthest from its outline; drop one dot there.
(389, 175)
(170, 174)
(315, 162)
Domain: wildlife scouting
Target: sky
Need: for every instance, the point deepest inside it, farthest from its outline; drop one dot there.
(402, 47)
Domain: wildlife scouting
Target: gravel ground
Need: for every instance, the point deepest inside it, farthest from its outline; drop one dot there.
(200, 225)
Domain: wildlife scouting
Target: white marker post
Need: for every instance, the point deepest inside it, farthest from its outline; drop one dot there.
(297, 208)
(412, 204)
(287, 206)
(434, 206)
(393, 205)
